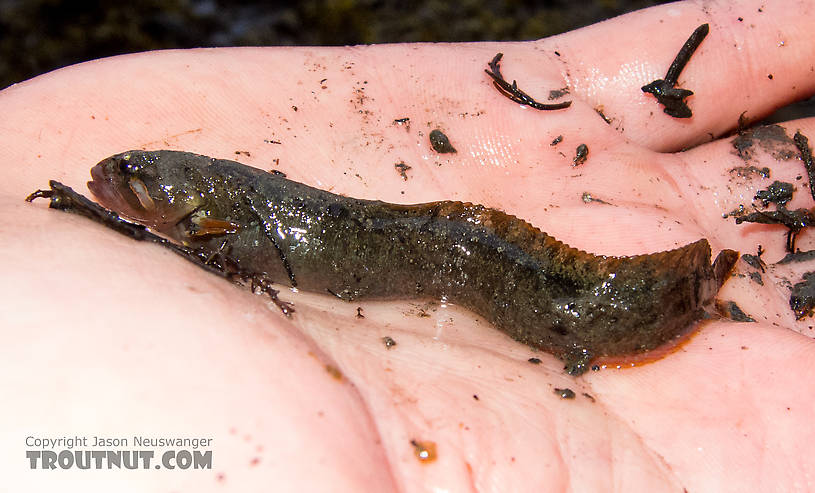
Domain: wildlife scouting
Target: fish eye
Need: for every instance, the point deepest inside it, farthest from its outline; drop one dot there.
(128, 168)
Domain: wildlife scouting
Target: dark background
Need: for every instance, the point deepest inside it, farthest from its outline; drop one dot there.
(41, 35)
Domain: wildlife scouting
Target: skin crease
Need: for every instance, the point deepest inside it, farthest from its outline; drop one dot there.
(106, 336)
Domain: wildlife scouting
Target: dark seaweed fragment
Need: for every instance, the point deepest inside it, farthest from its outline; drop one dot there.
(512, 91)
(588, 198)
(802, 143)
(755, 261)
(217, 262)
(737, 314)
(794, 220)
(756, 278)
(743, 122)
(732, 311)
(534, 361)
(797, 257)
(403, 122)
(402, 169)
(802, 297)
(773, 139)
(779, 192)
(601, 112)
(581, 154)
(565, 393)
(65, 199)
(746, 171)
(557, 140)
(389, 342)
(440, 143)
(558, 93)
(671, 97)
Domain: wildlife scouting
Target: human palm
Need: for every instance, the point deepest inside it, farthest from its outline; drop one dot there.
(105, 336)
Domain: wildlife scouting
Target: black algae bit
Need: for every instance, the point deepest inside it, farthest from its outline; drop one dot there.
(588, 198)
(794, 221)
(565, 393)
(772, 139)
(440, 143)
(755, 261)
(558, 93)
(731, 310)
(737, 314)
(512, 91)
(581, 154)
(665, 90)
(402, 169)
(797, 257)
(779, 192)
(64, 198)
(748, 171)
(802, 297)
(802, 143)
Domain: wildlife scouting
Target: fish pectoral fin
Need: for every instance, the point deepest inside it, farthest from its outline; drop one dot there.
(211, 226)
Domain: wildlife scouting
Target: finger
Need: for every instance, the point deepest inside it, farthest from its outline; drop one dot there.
(724, 176)
(755, 59)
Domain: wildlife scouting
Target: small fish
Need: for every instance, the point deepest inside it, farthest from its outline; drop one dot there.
(538, 290)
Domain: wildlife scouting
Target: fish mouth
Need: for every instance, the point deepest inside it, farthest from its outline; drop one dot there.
(101, 184)
(128, 197)
(109, 190)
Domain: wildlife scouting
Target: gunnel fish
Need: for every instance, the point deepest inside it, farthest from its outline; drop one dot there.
(536, 289)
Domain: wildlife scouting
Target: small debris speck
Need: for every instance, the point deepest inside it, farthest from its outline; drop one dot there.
(440, 143)
(402, 169)
(425, 451)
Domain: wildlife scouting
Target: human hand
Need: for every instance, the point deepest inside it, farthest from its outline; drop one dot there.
(108, 337)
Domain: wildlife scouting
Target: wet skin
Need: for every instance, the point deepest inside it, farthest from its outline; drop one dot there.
(95, 339)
